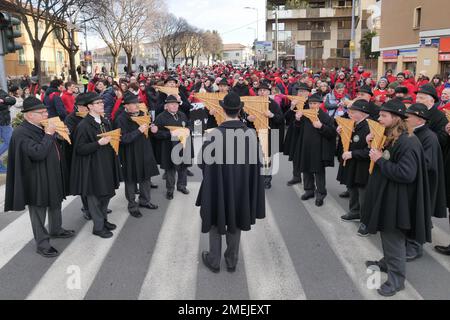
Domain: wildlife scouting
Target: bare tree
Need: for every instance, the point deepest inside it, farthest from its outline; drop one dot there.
(40, 18)
(164, 26)
(178, 39)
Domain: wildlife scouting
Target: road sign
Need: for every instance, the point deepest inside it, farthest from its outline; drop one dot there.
(263, 46)
(300, 52)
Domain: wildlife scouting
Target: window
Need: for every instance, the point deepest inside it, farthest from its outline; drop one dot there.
(417, 17)
(345, 24)
(280, 26)
(237, 54)
(344, 3)
(317, 4)
(22, 56)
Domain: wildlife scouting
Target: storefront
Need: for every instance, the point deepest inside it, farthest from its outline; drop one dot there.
(444, 56)
(409, 59)
(390, 60)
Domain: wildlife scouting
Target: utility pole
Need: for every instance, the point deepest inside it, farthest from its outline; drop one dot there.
(353, 36)
(276, 36)
(3, 82)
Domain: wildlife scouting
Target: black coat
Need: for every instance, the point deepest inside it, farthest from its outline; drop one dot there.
(356, 170)
(435, 168)
(446, 152)
(232, 196)
(71, 121)
(165, 138)
(437, 122)
(8, 101)
(95, 169)
(398, 195)
(35, 175)
(315, 148)
(136, 152)
(241, 89)
(276, 123)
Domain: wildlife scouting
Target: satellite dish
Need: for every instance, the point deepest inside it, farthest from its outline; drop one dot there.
(374, 21)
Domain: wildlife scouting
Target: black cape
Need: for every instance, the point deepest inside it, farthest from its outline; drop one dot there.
(397, 195)
(446, 153)
(435, 168)
(315, 148)
(292, 133)
(165, 138)
(437, 122)
(35, 175)
(232, 196)
(356, 170)
(136, 152)
(95, 169)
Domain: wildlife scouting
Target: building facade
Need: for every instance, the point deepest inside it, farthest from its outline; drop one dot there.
(54, 58)
(322, 26)
(415, 36)
(236, 53)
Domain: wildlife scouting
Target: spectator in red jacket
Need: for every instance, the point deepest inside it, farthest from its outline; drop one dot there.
(445, 100)
(380, 92)
(401, 79)
(421, 80)
(68, 97)
(389, 76)
(438, 84)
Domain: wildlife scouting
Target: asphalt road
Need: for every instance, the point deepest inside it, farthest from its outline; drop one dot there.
(298, 252)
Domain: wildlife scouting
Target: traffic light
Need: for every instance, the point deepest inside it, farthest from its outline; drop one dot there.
(8, 24)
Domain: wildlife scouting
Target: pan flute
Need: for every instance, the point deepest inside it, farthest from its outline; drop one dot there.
(300, 102)
(258, 107)
(377, 130)
(347, 126)
(311, 114)
(82, 114)
(115, 139)
(61, 128)
(143, 108)
(168, 90)
(142, 120)
(211, 101)
(183, 137)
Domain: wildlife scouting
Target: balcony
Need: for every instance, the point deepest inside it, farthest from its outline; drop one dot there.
(312, 13)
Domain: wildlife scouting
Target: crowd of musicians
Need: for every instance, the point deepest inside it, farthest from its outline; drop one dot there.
(409, 183)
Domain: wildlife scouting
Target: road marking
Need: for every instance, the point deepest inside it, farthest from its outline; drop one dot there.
(172, 273)
(270, 272)
(350, 249)
(86, 252)
(439, 237)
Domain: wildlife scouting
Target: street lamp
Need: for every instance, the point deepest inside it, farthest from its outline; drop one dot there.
(254, 44)
(257, 20)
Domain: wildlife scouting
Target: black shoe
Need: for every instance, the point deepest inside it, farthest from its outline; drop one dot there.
(154, 186)
(87, 215)
(378, 264)
(64, 234)
(137, 191)
(386, 290)
(164, 176)
(344, 194)
(267, 185)
(294, 181)
(206, 263)
(108, 211)
(136, 214)
(231, 269)
(362, 231)
(48, 253)
(412, 258)
(149, 206)
(189, 173)
(443, 250)
(110, 226)
(351, 217)
(105, 233)
(169, 195)
(183, 190)
(307, 196)
(319, 202)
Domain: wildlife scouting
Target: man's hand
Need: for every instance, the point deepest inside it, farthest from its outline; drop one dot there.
(104, 141)
(369, 138)
(298, 115)
(293, 104)
(317, 124)
(154, 129)
(347, 155)
(251, 118)
(269, 114)
(339, 130)
(447, 128)
(375, 155)
(212, 112)
(143, 128)
(51, 129)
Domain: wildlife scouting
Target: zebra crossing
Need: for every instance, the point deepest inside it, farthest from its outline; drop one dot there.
(297, 252)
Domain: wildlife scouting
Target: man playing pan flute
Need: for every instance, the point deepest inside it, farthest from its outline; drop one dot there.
(316, 145)
(35, 177)
(355, 173)
(169, 139)
(136, 156)
(95, 171)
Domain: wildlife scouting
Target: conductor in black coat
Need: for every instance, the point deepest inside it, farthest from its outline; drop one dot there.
(316, 145)
(72, 121)
(417, 122)
(397, 202)
(231, 195)
(136, 156)
(355, 173)
(35, 176)
(168, 141)
(95, 171)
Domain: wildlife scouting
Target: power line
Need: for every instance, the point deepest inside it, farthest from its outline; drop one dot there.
(241, 27)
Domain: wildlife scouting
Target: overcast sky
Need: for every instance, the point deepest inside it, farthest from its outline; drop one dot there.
(227, 16)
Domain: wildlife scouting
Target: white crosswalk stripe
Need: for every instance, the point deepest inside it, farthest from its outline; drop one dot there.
(439, 237)
(269, 268)
(172, 273)
(351, 250)
(86, 253)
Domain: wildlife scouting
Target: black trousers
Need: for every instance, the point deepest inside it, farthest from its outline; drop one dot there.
(315, 183)
(215, 248)
(40, 233)
(394, 250)
(356, 199)
(144, 194)
(181, 170)
(97, 209)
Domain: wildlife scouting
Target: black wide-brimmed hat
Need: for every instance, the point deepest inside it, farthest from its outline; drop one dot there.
(171, 99)
(418, 109)
(429, 90)
(80, 100)
(264, 85)
(303, 86)
(91, 97)
(315, 98)
(223, 82)
(232, 101)
(361, 105)
(366, 89)
(129, 98)
(171, 79)
(395, 106)
(401, 89)
(32, 103)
